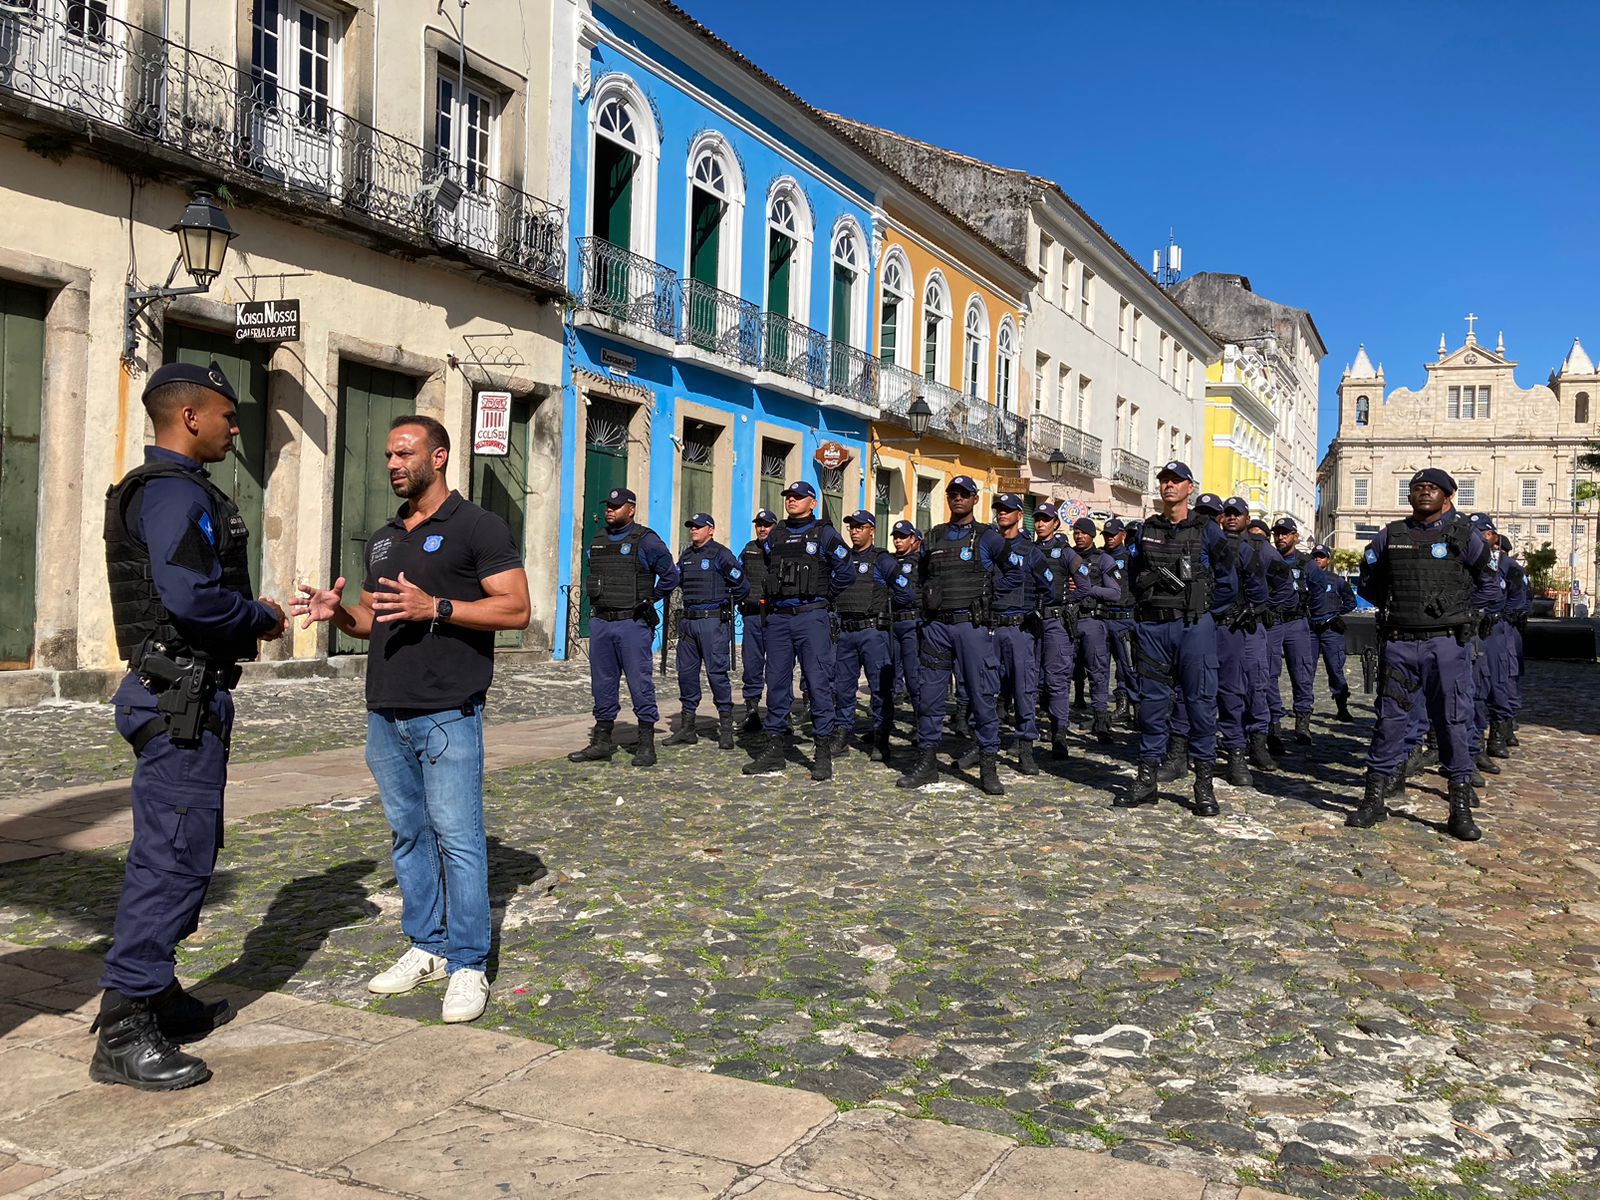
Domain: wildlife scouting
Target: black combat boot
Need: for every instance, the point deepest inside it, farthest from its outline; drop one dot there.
(1476, 779)
(1205, 796)
(970, 759)
(725, 731)
(924, 770)
(1371, 809)
(1430, 751)
(1078, 702)
(1511, 733)
(1102, 728)
(1342, 704)
(1059, 750)
(752, 719)
(1239, 768)
(771, 757)
(1260, 755)
(989, 773)
(1275, 738)
(600, 746)
(880, 745)
(1461, 825)
(1395, 785)
(1499, 747)
(1176, 765)
(1144, 787)
(687, 735)
(959, 725)
(131, 1048)
(1302, 728)
(1025, 763)
(822, 759)
(1481, 760)
(185, 1018)
(644, 753)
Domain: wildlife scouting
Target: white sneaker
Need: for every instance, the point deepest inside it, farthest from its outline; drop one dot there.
(465, 997)
(416, 966)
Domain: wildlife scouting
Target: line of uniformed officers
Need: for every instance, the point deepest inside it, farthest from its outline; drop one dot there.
(1200, 607)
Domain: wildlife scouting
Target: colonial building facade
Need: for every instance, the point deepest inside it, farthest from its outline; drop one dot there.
(1513, 451)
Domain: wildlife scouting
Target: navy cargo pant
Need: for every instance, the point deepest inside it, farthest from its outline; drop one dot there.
(1057, 654)
(1290, 643)
(1330, 646)
(705, 640)
(177, 832)
(1514, 666)
(1491, 678)
(1119, 633)
(1094, 651)
(803, 634)
(1434, 674)
(1017, 652)
(618, 649)
(862, 650)
(754, 679)
(906, 646)
(1233, 685)
(1177, 659)
(1258, 713)
(968, 651)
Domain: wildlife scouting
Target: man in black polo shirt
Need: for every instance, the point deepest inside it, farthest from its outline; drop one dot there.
(441, 579)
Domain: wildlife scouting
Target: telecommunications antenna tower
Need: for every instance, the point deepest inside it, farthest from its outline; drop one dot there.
(1166, 263)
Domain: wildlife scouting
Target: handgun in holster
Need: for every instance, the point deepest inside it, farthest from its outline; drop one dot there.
(183, 696)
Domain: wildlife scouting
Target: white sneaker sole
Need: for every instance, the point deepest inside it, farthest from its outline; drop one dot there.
(461, 1018)
(385, 989)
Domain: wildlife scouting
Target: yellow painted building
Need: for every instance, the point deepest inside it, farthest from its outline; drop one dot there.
(1241, 419)
(947, 323)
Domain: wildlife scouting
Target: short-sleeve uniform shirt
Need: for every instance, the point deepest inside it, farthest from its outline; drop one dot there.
(409, 664)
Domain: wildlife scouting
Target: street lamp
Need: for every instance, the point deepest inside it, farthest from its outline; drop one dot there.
(203, 236)
(919, 414)
(1058, 465)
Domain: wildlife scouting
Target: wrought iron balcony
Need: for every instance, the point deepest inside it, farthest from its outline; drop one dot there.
(627, 287)
(979, 423)
(1046, 435)
(721, 324)
(794, 351)
(116, 74)
(852, 373)
(1128, 469)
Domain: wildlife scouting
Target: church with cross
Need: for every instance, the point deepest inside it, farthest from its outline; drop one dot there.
(1513, 451)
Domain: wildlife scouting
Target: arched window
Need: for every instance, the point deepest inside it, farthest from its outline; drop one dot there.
(892, 348)
(1005, 366)
(848, 286)
(935, 329)
(1363, 410)
(975, 348)
(622, 167)
(788, 252)
(715, 218)
(1580, 408)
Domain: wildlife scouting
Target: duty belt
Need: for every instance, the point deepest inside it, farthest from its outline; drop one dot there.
(612, 614)
(1119, 614)
(1007, 620)
(911, 619)
(1056, 612)
(810, 606)
(954, 616)
(699, 614)
(156, 726)
(855, 624)
(1418, 635)
(1160, 616)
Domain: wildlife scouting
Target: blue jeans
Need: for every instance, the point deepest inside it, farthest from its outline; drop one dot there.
(429, 771)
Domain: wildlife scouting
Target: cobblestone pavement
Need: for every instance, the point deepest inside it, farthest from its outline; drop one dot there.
(1265, 997)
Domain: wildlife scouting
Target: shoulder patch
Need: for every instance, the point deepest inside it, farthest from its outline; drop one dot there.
(1371, 556)
(840, 552)
(1083, 569)
(735, 573)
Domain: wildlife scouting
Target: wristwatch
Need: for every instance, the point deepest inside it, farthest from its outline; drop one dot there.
(442, 609)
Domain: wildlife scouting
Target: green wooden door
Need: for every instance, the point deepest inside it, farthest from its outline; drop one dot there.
(22, 312)
(500, 485)
(612, 216)
(924, 517)
(604, 468)
(774, 462)
(780, 255)
(844, 283)
(244, 475)
(832, 489)
(705, 236)
(369, 399)
(695, 491)
(882, 498)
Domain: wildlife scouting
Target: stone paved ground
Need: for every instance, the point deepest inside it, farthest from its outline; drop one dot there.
(1267, 997)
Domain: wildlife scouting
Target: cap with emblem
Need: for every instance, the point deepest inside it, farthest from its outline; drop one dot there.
(1482, 522)
(700, 521)
(1209, 502)
(1177, 470)
(861, 517)
(1113, 527)
(1285, 525)
(1439, 479)
(962, 483)
(617, 497)
(765, 516)
(1258, 523)
(1047, 512)
(906, 529)
(211, 378)
(1236, 504)
(1007, 502)
(1320, 552)
(800, 488)
(1084, 525)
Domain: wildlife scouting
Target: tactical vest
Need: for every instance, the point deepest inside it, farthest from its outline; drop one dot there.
(906, 597)
(619, 578)
(1181, 551)
(956, 567)
(1300, 572)
(754, 562)
(1054, 551)
(1120, 558)
(137, 613)
(1024, 597)
(1430, 585)
(795, 570)
(702, 583)
(866, 596)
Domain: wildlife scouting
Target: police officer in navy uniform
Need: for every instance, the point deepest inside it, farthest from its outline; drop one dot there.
(905, 612)
(1420, 573)
(1176, 764)
(630, 569)
(1236, 610)
(711, 582)
(1058, 645)
(808, 564)
(1176, 560)
(1118, 616)
(178, 562)
(1329, 603)
(1491, 715)
(1289, 641)
(1255, 559)
(1097, 587)
(753, 620)
(1018, 622)
(963, 564)
(862, 612)
(1519, 603)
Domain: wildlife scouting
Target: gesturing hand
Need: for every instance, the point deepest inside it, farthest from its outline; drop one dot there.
(278, 630)
(402, 600)
(317, 604)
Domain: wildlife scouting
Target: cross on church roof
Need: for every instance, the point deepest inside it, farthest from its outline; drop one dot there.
(1471, 337)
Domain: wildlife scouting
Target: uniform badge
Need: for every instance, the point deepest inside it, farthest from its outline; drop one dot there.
(735, 573)
(966, 553)
(705, 564)
(432, 542)
(1056, 553)
(1016, 560)
(811, 547)
(627, 549)
(206, 528)
(840, 552)
(1439, 550)
(1049, 575)
(905, 568)
(863, 567)
(1371, 555)
(1083, 569)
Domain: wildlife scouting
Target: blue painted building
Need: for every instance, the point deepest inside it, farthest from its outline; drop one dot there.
(721, 265)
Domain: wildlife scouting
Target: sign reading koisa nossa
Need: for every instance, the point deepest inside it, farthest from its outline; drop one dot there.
(266, 321)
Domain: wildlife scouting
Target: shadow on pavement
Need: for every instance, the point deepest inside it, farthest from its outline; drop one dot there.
(510, 870)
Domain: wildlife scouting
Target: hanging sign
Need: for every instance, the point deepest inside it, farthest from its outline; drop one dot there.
(620, 365)
(831, 456)
(491, 427)
(266, 321)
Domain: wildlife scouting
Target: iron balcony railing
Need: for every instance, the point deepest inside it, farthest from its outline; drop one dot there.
(955, 415)
(979, 423)
(1129, 469)
(627, 287)
(114, 73)
(852, 373)
(794, 351)
(721, 324)
(1046, 435)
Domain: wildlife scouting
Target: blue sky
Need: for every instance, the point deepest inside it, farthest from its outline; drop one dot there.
(1389, 165)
